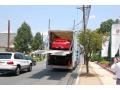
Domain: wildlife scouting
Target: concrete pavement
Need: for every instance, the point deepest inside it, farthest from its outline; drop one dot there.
(97, 76)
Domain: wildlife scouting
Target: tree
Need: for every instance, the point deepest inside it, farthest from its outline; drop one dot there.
(105, 29)
(23, 39)
(37, 41)
(91, 42)
(117, 21)
(106, 26)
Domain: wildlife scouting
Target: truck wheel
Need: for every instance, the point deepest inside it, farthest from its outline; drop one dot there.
(17, 71)
(30, 68)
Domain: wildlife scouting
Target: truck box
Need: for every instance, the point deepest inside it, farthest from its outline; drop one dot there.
(62, 41)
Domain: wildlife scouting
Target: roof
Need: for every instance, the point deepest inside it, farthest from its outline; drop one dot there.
(4, 39)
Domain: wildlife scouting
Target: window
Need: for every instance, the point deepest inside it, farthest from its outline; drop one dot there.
(28, 58)
(5, 55)
(18, 56)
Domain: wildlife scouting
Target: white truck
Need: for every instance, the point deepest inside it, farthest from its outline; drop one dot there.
(63, 50)
(64, 56)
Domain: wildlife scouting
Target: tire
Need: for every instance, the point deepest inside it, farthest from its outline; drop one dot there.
(17, 71)
(34, 63)
(30, 68)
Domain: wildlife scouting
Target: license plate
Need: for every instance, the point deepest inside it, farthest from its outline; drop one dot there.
(1, 62)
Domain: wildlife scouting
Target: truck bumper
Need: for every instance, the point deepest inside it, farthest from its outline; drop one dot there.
(58, 67)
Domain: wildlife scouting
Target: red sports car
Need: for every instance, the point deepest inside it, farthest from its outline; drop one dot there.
(60, 43)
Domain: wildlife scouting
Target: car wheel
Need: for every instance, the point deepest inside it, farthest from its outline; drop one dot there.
(17, 71)
(35, 63)
(30, 68)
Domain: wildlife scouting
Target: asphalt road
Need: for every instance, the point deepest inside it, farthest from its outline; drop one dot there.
(40, 76)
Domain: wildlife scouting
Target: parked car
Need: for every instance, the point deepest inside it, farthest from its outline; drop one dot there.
(60, 43)
(30, 58)
(14, 61)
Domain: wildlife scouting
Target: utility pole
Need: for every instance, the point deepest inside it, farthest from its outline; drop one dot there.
(84, 26)
(74, 25)
(8, 49)
(49, 24)
(86, 11)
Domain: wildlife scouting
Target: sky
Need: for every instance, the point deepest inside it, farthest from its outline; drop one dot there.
(61, 16)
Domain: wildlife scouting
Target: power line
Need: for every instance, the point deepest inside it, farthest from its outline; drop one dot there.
(86, 12)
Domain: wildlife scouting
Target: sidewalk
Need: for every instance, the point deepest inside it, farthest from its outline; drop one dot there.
(97, 76)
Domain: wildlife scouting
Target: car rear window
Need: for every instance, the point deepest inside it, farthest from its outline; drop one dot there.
(5, 55)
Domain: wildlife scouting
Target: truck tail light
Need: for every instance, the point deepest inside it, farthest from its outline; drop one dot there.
(10, 62)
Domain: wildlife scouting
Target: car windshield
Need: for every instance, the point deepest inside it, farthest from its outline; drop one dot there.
(5, 55)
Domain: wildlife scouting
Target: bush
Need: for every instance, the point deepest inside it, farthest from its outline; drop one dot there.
(38, 58)
(104, 62)
(96, 58)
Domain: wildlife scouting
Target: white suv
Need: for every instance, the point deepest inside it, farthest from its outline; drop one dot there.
(14, 61)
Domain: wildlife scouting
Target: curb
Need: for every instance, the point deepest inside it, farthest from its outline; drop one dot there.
(108, 69)
(78, 77)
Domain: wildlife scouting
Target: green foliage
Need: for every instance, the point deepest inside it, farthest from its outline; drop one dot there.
(38, 58)
(106, 26)
(104, 62)
(96, 57)
(23, 38)
(117, 21)
(100, 60)
(37, 41)
(91, 41)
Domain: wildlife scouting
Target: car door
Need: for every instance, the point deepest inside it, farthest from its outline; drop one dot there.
(27, 60)
(21, 59)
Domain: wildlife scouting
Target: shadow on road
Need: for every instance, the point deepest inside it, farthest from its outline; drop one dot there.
(10, 74)
(55, 74)
(6, 75)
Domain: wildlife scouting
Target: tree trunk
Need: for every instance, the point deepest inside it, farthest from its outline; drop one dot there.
(84, 59)
(87, 65)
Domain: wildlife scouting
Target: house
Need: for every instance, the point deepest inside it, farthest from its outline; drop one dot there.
(4, 41)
